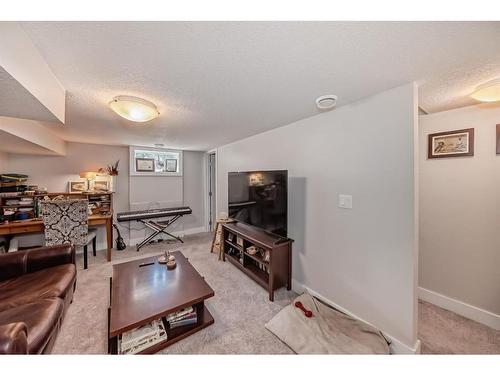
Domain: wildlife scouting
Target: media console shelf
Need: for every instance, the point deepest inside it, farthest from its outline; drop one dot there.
(271, 274)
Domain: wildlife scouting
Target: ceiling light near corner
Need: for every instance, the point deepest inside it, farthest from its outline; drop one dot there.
(134, 109)
(488, 92)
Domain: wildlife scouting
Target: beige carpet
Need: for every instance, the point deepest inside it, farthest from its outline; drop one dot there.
(444, 332)
(240, 308)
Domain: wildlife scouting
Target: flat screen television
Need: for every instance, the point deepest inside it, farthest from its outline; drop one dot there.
(259, 198)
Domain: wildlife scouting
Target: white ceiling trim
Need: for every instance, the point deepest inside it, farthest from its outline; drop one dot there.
(20, 58)
(35, 132)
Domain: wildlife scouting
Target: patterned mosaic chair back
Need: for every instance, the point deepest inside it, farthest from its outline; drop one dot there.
(65, 222)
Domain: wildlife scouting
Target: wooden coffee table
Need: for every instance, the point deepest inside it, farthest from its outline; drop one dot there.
(141, 294)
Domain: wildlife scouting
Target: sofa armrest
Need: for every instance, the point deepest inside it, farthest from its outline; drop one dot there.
(12, 265)
(14, 338)
(49, 256)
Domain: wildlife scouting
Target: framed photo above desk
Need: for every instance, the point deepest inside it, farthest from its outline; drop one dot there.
(77, 186)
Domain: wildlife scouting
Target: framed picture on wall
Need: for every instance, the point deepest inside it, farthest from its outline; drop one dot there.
(171, 165)
(450, 144)
(144, 165)
(77, 186)
(102, 185)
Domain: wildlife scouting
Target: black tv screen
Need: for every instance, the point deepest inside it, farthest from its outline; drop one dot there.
(259, 198)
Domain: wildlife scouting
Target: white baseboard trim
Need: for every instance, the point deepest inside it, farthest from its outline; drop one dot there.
(461, 308)
(181, 233)
(396, 346)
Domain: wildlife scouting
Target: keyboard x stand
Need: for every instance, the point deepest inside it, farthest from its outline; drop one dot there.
(158, 227)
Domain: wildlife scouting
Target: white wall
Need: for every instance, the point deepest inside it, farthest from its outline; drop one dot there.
(363, 259)
(194, 189)
(156, 192)
(460, 211)
(54, 172)
(20, 58)
(3, 162)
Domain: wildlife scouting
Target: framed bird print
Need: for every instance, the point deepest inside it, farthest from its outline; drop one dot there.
(451, 144)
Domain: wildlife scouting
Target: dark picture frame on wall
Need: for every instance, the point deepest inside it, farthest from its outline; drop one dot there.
(144, 165)
(451, 144)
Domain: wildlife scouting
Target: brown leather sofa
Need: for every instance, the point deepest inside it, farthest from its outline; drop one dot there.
(36, 288)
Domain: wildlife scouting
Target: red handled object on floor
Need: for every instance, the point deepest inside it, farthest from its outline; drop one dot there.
(307, 313)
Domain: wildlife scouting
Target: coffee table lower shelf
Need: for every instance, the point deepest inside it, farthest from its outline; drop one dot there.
(204, 320)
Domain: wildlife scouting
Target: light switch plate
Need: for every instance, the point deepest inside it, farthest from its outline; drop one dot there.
(345, 201)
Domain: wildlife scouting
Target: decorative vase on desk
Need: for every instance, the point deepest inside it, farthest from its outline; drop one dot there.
(112, 184)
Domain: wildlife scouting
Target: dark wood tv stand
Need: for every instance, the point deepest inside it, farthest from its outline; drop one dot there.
(272, 274)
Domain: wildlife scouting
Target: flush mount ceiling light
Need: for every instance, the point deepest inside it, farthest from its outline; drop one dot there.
(326, 102)
(488, 92)
(134, 109)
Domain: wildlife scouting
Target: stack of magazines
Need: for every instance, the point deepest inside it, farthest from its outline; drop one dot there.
(141, 338)
(182, 317)
(13, 183)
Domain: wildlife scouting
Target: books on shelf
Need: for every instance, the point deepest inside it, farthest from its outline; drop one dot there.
(182, 317)
(179, 314)
(9, 194)
(23, 201)
(26, 206)
(144, 337)
(184, 322)
(141, 338)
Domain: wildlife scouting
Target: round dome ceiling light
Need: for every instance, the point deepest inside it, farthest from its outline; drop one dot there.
(326, 102)
(134, 109)
(488, 92)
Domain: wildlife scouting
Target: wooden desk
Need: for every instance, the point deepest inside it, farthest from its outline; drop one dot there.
(36, 226)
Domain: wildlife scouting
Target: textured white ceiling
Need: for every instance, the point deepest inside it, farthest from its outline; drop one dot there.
(216, 82)
(16, 101)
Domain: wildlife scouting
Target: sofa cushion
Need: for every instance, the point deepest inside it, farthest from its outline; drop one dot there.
(41, 317)
(30, 287)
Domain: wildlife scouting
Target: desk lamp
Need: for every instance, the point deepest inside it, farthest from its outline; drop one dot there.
(90, 177)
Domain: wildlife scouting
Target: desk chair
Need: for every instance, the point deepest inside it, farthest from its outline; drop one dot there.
(66, 221)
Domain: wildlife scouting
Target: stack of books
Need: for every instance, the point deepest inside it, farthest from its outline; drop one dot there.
(141, 338)
(13, 183)
(182, 317)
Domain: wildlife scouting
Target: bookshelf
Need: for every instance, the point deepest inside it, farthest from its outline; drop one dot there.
(100, 203)
(271, 272)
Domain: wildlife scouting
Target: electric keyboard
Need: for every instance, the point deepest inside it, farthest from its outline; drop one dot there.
(152, 214)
